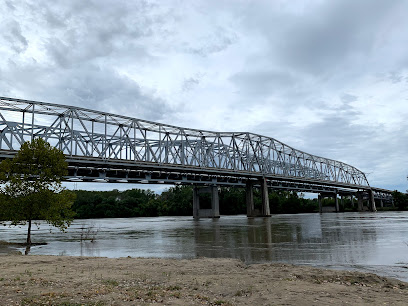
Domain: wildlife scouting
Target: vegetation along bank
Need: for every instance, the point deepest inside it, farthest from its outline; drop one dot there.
(178, 201)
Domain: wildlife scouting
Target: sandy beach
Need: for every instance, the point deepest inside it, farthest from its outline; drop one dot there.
(63, 280)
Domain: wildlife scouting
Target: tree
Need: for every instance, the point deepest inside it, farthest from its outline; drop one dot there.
(32, 187)
(400, 200)
(176, 201)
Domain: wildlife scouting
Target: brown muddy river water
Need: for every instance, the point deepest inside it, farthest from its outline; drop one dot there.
(368, 242)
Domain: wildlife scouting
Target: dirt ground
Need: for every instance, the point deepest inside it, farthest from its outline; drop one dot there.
(61, 280)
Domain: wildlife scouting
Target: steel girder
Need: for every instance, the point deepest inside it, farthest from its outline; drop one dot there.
(106, 137)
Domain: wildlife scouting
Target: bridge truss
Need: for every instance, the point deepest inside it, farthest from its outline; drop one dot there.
(104, 146)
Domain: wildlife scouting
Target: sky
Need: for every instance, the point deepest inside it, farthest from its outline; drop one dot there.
(326, 77)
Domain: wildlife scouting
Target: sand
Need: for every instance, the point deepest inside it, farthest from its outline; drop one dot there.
(63, 280)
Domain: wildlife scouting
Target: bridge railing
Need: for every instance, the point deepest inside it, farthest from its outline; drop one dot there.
(88, 133)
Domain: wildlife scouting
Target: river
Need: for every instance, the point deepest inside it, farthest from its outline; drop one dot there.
(368, 242)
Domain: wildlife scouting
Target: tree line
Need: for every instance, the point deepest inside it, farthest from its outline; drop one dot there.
(400, 200)
(178, 201)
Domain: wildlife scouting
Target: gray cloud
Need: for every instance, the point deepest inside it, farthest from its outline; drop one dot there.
(264, 82)
(92, 87)
(84, 44)
(190, 83)
(395, 77)
(330, 42)
(218, 41)
(331, 34)
(347, 98)
(361, 146)
(10, 5)
(15, 37)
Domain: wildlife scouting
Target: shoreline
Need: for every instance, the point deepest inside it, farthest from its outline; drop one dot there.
(399, 272)
(42, 279)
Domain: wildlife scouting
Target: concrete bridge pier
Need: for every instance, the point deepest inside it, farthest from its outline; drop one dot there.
(336, 202)
(319, 200)
(249, 199)
(321, 196)
(249, 195)
(265, 198)
(214, 211)
(371, 201)
(359, 201)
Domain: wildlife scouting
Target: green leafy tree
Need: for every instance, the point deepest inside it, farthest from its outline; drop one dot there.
(32, 188)
(232, 201)
(400, 200)
(176, 201)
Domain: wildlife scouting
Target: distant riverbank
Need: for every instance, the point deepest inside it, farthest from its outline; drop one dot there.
(178, 201)
(63, 280)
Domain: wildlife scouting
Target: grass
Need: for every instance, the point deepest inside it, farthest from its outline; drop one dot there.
(221, 302)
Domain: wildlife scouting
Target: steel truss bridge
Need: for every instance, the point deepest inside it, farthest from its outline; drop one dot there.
(105, 147)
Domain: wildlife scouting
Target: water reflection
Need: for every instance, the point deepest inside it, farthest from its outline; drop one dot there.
(366, 241)
(306, 239)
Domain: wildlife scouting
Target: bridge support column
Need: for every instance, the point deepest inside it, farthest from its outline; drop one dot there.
(381, 203)
(196, 203)
(352, 201)
(265, 198)
(319, 200)
(249, 197)
(336, 202)
(215, 202)
(328, 208)
(372, 201)
(359, 201)
(214, 211)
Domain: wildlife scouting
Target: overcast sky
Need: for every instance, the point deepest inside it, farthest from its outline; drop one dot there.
(326, 77)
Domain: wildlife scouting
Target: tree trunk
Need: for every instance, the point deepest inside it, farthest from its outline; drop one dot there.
(29, 233)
